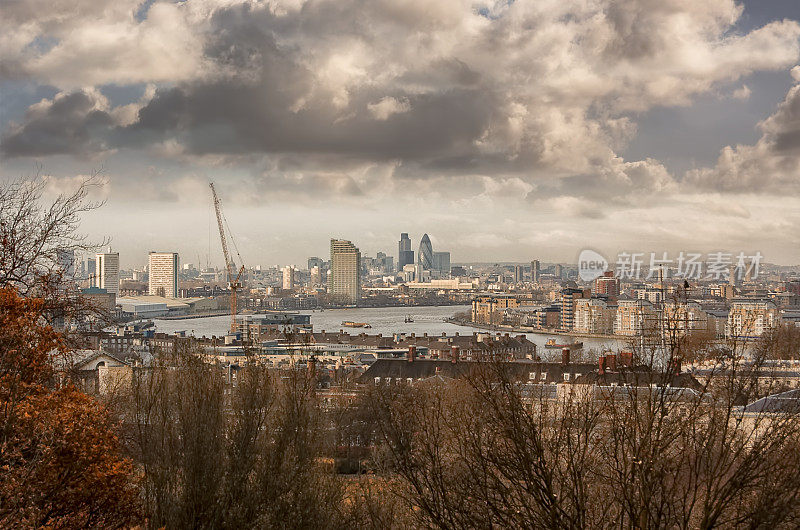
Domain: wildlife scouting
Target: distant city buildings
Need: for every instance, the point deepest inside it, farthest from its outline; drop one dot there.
(316, 262)
(441, 262)
(431, 264)
(163, 274)
(345, 281)
(425, 254)
(66, 263)
(535, 271)
(594, 315)
(607, 285)
(633, 317)
(518, 274)
(405, 256)
(288, 278)
(750, 317)
(316, 277)
(107, 271)
(569, 297)
(91, 271)
(383, 263)
(489, 309)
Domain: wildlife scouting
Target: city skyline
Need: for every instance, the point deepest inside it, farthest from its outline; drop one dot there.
(595, 149)
(400, 264)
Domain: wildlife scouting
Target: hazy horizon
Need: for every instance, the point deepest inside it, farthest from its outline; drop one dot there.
(507, 132)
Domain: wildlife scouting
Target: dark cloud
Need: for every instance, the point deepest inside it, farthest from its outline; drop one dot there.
(69, 124)
(434, 90)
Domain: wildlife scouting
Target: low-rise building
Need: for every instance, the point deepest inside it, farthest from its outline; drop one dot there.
(633, 317)
(749, 318)
(489, 309)
(594, 315)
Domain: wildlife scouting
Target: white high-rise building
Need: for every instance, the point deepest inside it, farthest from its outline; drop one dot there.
(345, 281)
(107, 271)
(163, 275)
(288, 278)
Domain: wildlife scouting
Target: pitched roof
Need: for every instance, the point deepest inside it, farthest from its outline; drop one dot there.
(787, 402)
(639, 376)
(519, 370)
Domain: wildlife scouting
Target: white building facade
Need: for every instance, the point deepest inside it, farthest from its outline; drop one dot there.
(107, 271)
(163, 274)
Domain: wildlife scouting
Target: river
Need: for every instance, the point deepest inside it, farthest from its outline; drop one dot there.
(384, 320)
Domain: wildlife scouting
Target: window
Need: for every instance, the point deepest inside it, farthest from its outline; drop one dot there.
(377, 380)
(566, 377)
(543, 376)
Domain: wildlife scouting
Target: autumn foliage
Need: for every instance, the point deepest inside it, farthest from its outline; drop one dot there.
(60, 462)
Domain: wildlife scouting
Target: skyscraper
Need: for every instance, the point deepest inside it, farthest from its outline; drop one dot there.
(315, 262)
(345, 280)
(91, 271)
(425, 255)
(441, 262)
(107, 270)
(288, 278)
(518, 274)
(405, 256)
(163, 274)
(66, 264)
(535, 270)
(559, 271)
(316, 277)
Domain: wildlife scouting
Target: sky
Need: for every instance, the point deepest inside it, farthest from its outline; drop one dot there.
(507, 131)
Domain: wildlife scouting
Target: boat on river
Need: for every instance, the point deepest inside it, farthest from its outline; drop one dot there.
(351, 324)
(574, 345)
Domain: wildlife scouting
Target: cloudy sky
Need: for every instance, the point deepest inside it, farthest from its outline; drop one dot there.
(505, 130)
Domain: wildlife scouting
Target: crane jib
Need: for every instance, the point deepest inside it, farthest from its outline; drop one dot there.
(233, 278)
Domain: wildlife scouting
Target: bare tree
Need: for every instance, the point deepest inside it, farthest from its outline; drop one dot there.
(231, 448)
(487, 451)
(36, 236)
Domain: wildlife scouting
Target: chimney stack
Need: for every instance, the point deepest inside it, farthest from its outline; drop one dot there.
(602, 365)
(312, 367)
(626, 358)
(412, 353)
(611, 362)
(454, 354)
(565, 356)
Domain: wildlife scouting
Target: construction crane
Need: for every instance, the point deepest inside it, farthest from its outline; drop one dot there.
(234, 277)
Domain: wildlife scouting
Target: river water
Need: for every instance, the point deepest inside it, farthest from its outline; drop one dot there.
(384, 320)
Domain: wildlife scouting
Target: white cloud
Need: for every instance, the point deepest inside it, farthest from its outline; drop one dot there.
(771, 166)
(526, 108)
(388, 106)
(742, 93)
